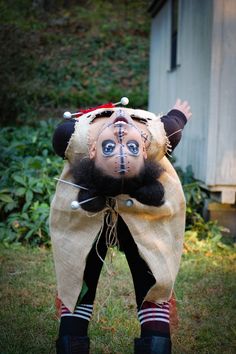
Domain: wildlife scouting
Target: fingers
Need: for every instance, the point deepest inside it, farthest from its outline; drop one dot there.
(183, 107)
(178, 102)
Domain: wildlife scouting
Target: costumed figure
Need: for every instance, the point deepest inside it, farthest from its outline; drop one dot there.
(117, 187)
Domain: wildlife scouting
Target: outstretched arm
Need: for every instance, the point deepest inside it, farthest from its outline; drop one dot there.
(175, 121)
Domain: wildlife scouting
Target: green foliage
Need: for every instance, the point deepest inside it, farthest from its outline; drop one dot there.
(27, 185)
(80, 56)
(195, 197)
(61, 55)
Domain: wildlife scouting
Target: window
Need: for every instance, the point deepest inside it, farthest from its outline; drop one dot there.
(174, 33)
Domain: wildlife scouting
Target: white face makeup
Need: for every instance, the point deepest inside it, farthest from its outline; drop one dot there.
(119, 148)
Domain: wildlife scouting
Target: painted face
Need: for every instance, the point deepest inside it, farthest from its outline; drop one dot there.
(119, 149)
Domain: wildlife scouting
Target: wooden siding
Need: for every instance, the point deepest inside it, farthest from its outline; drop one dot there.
(206, 78)
(189, 81)
(222, 118)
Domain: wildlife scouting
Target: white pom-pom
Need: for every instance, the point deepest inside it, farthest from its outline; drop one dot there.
(75, 205)
(67, 115)
(124, 101)
(129, 203)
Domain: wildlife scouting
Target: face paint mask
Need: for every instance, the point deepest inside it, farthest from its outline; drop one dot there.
(122, 170)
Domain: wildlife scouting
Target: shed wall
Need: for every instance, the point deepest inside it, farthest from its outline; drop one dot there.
(190, 80)
(222, 120)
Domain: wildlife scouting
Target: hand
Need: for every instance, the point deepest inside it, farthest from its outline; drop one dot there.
(183, 107)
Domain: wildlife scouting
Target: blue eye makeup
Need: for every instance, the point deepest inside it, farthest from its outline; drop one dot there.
(108, 147)
(133, 147)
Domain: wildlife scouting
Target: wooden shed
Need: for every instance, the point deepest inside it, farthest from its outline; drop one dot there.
(193, 56)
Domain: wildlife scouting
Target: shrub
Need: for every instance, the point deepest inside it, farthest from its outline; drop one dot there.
(195, 198)
(27, 185)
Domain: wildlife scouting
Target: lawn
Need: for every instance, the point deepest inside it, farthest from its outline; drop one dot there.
(205, 293)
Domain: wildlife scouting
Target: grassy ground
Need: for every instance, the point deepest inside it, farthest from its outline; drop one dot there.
(205, 292)
(87, 54)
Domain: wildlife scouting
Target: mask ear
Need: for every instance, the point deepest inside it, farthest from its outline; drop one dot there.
(92, 150)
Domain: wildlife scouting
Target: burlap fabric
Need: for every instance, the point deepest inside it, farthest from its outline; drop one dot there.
(157, 231)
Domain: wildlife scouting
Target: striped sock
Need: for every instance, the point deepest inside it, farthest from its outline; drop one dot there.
(81, 311)
(76, 323)
(154, 319)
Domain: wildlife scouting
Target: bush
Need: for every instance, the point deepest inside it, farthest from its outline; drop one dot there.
(27, 185)
(195, 198)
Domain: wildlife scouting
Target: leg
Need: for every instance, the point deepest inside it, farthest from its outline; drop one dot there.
(74, 326)
(142, 277)
(154, 319)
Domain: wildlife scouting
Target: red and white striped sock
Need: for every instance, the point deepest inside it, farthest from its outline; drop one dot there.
(83, 311)
(75, 323)
(154, 319)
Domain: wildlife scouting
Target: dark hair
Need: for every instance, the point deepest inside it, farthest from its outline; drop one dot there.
(144, 187)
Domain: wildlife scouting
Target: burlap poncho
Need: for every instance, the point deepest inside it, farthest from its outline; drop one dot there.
(157, 231)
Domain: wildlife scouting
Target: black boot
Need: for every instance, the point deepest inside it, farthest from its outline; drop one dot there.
(72, 345)
(152, 345)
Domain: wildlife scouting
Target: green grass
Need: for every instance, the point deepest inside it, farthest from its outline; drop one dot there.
(205, 292)
(69, 58)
